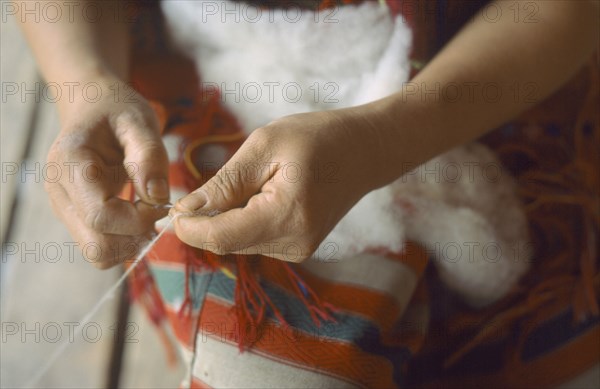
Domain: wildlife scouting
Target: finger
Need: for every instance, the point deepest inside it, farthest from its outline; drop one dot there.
(101, 250)
(261, 227)
(229, 231)
(146, 159)
(233, 185)
(93, 188)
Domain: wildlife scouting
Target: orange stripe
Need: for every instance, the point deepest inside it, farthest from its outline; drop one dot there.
(380, 308)
(169, 249)
(312, 353)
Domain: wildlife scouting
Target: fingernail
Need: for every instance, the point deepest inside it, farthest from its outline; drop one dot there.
(158, 189)
(193, 201)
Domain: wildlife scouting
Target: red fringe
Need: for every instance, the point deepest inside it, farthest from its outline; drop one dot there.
(251, 303)
(560, 192)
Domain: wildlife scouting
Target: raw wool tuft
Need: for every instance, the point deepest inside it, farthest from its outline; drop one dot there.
(336, 56)
(362, 56)
(463, 208)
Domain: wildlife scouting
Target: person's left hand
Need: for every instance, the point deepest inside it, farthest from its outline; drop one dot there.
(286, 188)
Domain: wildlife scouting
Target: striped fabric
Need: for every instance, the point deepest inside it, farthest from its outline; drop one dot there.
(395, 325)
(362, 348)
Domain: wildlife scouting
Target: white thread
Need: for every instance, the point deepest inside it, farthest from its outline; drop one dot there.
(108, 295)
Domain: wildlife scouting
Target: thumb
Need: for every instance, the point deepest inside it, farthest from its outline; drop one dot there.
(233, 185)
(146, 159)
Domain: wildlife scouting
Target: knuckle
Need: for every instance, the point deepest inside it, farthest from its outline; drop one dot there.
(152, 148)
(64, 153)
(261, 135)
(59, 152)
(94, 218)
(260, 141)
(133, 119)
(64, 145)
(224, 188)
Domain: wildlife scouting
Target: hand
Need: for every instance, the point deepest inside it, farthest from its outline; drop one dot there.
(285, 189)
(103, 145)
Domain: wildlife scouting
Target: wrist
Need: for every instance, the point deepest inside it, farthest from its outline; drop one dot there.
(395, 137)
(86, 89)
(362, 136)
(374, 143)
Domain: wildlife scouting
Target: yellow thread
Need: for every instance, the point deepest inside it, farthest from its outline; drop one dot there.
(228, 273)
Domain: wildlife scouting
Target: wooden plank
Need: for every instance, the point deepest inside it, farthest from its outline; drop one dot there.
(17, 73)
(145, 360)
(42, 292)
(48, 286)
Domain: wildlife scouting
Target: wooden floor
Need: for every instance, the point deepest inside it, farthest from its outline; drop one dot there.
(45, 284)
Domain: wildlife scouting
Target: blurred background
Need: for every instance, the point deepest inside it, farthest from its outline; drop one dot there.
(46, 285)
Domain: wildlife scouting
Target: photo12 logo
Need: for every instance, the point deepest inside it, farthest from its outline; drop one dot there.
(69, 332)
(120, 11)
(269, 11)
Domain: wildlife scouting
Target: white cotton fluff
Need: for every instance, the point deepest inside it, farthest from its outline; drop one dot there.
(332, 59)
(463, 208)
(356, 55)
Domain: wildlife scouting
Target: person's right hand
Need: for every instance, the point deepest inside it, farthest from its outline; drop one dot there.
(103, 145)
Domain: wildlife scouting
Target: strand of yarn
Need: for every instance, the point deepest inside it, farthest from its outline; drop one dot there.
(107, 296)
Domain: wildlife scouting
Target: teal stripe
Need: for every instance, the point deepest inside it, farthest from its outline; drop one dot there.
(171, 284)
(347, 328)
